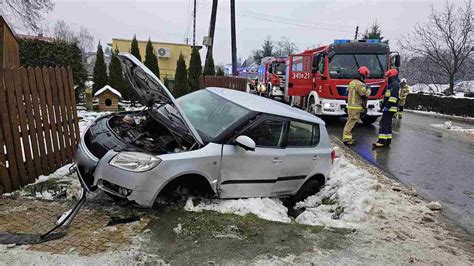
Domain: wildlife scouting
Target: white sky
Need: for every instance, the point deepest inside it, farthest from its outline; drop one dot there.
(169, 20)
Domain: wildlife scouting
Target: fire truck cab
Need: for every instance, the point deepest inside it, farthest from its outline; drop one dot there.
(272, 77)
(318, 79)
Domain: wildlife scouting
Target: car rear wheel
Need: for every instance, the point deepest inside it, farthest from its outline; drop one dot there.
(309, 188)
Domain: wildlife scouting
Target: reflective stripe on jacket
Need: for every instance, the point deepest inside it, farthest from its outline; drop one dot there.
(391, 95)
(357, 91)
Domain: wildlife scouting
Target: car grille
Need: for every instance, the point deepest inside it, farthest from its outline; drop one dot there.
(282, 80)
(342, 90)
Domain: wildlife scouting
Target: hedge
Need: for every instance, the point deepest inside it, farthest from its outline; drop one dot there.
(443, 105)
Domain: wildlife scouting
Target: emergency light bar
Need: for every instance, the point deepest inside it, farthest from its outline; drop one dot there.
(341, 41)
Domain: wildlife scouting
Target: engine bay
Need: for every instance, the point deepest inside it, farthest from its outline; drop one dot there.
(144, 132)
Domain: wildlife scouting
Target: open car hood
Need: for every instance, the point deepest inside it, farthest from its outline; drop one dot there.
(151, 91)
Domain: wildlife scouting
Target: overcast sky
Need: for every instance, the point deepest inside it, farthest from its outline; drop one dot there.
(306, 23)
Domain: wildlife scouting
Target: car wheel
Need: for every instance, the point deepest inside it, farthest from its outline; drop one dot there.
(309, 188)
(368, 120)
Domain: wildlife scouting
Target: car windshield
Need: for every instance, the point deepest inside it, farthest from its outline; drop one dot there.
(344, 66)
(279, 68)
(210, 114)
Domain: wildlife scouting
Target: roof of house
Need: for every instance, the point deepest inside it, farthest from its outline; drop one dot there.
(108, 88)
(40, 37)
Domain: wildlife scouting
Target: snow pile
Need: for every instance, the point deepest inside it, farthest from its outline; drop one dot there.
(344, 201)
(449, 126)
(265, 208)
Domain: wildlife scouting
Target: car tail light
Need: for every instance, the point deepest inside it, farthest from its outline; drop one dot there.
(333, 155)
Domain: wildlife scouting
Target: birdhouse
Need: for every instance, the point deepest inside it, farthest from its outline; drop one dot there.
(108, 99)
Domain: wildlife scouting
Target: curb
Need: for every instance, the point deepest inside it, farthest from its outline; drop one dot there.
(455, 118)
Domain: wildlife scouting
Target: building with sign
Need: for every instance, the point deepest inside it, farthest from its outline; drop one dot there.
(167, 53)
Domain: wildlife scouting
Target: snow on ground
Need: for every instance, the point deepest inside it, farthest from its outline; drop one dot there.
(265, 208)
(344, 201)
(449, 126)
(391, 224)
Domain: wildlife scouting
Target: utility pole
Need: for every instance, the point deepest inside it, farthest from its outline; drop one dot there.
(212, 27)
(357, 33)
(194, 24)
(233, 37)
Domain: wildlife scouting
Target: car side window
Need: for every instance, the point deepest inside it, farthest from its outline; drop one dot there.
(302, 134)
(268, 133)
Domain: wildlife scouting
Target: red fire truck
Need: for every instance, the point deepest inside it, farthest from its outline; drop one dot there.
(272, 77)
(318, 79)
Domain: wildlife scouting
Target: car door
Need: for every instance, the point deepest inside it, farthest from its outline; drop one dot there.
(253, 173)
(301, 156)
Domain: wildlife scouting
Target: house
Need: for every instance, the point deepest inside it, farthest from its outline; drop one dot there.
(108, 99)
(166, 52)
(9, 48)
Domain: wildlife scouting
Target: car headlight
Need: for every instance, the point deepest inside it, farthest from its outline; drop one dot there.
(135, 161)
(328, 105)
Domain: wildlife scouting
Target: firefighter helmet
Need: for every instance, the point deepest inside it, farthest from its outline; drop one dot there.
(363, 71)
(403, 80)
(391, 73)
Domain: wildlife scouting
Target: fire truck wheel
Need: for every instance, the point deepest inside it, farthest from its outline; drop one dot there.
(368, 120)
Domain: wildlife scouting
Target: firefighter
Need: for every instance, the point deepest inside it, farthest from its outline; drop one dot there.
(389, 108)
(358, 94)
(404, 91)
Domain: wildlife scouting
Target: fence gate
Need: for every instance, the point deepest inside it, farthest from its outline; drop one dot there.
(38, 123)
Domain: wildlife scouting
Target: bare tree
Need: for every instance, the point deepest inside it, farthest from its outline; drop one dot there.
(29, 13)
(446, 41)
(285, 47)
(69, 33)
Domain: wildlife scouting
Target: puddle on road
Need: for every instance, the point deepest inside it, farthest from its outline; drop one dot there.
(181, 237)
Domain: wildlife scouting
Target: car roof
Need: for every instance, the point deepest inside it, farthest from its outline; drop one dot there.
(264, 105)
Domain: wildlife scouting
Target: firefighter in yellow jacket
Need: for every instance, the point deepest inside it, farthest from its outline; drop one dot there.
(404, 91)
(356, 103)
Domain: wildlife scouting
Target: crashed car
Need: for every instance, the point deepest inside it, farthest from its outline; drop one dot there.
(231, 143)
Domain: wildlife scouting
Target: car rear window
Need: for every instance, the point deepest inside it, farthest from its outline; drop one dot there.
(302, 134)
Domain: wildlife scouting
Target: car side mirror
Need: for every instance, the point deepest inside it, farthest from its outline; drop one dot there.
(245, 143)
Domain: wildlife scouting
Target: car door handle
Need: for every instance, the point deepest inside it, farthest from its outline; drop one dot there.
(315, 157)
(277, 160)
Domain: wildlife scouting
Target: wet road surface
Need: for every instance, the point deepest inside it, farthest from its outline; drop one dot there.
(439, 163)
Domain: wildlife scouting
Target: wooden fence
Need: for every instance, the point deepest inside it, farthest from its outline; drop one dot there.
(235, 83)
(38, 123)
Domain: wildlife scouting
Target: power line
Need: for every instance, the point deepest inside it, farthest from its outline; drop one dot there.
(281, 20)
(188, 21)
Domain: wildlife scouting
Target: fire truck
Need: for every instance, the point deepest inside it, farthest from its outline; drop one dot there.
(272, 77)
(318, 79)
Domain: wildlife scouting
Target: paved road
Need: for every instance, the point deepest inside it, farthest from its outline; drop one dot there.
(437, 162)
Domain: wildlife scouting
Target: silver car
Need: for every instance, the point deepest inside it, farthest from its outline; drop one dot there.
(230, 143)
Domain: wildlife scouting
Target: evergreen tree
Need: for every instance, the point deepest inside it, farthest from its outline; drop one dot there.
(209, 67)
(220, 71)
(374, 32)
(267, 50)
(134, 50)
(151, 61)
(195, 70)
(100, 70)
(116, 79)
(180, 87)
